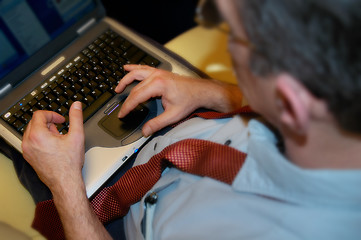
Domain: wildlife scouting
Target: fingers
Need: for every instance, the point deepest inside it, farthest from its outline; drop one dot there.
(43, 118)
(52, 127)
(40, 127)
(157, 124)
(136, 72)
(140, 94)
(165, 119)
(142, 91)
(43, 121)
(154, 83)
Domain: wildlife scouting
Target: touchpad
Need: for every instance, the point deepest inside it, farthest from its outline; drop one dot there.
(121, 128)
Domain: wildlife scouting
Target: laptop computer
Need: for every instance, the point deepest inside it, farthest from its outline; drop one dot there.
(59, 51)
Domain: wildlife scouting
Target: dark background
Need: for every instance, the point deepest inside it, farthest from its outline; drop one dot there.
(160, 20)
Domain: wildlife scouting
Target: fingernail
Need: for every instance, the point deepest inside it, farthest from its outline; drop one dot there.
(77, 105)
(120, 114)
(146, 132)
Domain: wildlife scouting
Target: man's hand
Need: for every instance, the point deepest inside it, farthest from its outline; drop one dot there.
(58, 161)
(56, 158)
(180, 95)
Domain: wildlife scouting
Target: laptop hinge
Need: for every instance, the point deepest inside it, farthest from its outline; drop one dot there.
(5, 89)
(86, 26)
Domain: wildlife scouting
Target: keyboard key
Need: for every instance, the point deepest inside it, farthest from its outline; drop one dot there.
(62, 110)
(32, 102)
(90, 75)
(65, 85)
(25, 118)
(50, 98)
(96, 93)
(39, 96)
(137, 57)
(88, 100)
(18, 124)
(76, 87)
(85, 91)
(68, 94)
(77, 97)
(92, 84)
(96, 105)
(11, 119)
(26, 108)
(18, 114)
(42, 104)
(61, 100)
(68, 103)
(54, 106)
(33, 109)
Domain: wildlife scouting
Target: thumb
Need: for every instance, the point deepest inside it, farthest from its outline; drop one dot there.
(76, 119)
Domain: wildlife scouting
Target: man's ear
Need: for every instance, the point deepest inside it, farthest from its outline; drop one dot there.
(293, 102)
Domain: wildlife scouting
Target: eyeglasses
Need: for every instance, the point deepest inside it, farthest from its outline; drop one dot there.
(208, 16)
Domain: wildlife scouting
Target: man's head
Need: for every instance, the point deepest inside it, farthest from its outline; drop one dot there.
(316, 42)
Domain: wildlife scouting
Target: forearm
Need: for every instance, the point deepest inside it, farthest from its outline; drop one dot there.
(221, 96)
(77, 216)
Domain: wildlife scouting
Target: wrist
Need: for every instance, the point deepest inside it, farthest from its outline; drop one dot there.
(225, 97)
(70, 187)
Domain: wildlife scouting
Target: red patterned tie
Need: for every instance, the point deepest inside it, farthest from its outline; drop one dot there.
(199, 157)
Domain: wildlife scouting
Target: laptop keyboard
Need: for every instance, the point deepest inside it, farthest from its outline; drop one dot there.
(90, 77)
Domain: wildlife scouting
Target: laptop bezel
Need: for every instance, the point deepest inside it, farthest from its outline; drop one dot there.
(41, 57)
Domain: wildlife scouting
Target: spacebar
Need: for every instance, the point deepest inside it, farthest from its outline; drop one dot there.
(89, 111)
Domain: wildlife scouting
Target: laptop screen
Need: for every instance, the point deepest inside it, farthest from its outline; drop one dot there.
(27, 25)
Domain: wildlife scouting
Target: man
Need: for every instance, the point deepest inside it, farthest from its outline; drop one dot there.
(298, 65)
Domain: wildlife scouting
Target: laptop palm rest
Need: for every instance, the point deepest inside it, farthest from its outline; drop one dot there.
(124, 129)
(104, 155)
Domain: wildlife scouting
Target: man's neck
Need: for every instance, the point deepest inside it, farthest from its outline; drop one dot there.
(325, 147)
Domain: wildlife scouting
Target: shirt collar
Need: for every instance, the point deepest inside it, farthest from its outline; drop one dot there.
(267, 172)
